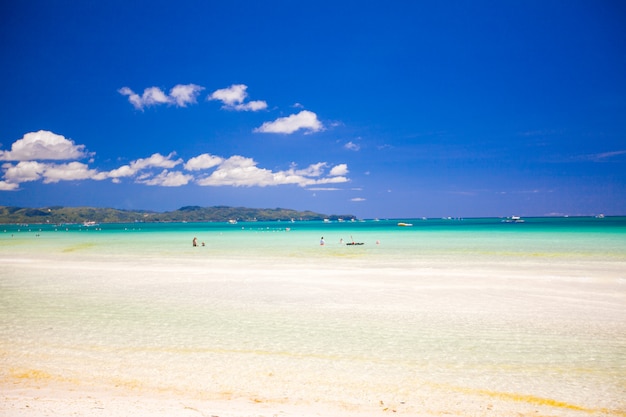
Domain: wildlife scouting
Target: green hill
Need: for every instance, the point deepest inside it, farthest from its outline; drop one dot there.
(59, 215)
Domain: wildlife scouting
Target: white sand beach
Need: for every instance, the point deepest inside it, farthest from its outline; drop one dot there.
(337, 334)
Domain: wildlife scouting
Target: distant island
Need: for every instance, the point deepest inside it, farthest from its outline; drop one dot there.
(61, 215)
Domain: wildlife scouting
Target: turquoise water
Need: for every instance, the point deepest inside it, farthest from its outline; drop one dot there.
(576, 236)
(446, 316)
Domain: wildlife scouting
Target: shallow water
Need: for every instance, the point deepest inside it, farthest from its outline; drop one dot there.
(464, 316)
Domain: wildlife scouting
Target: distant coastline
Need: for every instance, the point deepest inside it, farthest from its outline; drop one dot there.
(60, 215)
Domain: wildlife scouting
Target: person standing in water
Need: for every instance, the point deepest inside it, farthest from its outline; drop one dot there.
(194, 242)
(322, 241)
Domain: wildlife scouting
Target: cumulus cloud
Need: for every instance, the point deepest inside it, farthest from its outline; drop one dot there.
(233, 98)
(168, 179)
(185, 94)
(32, 159)
(26, 171)
(180, 95)
(235, 171)
(71, 171)
(203, 161)
(341, 169)
(153, 96)
(7, 186)
(306, 120)
(230, 96)
(241, 171)
(238, 171)
(121, 172)
(156, 160)
(43, 145)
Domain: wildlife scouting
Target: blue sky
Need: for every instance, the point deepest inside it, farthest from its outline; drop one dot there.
(378, 109)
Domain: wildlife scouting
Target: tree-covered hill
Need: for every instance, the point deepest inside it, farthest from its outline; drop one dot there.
(59, 215)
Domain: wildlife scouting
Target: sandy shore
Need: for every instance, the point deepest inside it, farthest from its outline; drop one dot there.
(70, 400)
(53, 402)
(63, 400)
(321, 337)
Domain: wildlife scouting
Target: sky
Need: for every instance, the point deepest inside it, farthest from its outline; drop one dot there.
(379, 109)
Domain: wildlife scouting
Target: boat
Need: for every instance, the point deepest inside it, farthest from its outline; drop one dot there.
(232, 221)
(402, 224)
(90, 224)
(353, 243)
(513, 219)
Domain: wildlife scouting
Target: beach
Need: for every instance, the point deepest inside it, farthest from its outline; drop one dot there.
(460, 319)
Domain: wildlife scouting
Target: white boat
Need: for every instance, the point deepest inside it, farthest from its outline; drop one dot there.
(514, 219)
(90, 224)
(402, 224)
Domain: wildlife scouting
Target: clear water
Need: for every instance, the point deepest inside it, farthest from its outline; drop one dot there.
(444, 316)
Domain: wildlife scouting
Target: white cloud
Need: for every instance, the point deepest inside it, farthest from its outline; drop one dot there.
(154, 95)
(238, 171)
(123, 171)
(185, 94)
(306, 120)
(169, 179)
(351, 146)
(204, 161)
(155, 170)
(8, 186)
(233, 98)
(71, 171)
(230, 96)
(250, 106)
(43, 145)
(26, 171)
(341, 169)
(357, 199)
(180, 95)
(331, 180)
(135, 99)
(156, 160)
(241, 171)
(313, 170)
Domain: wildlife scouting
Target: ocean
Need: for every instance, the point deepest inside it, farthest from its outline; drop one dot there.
(444, 316)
